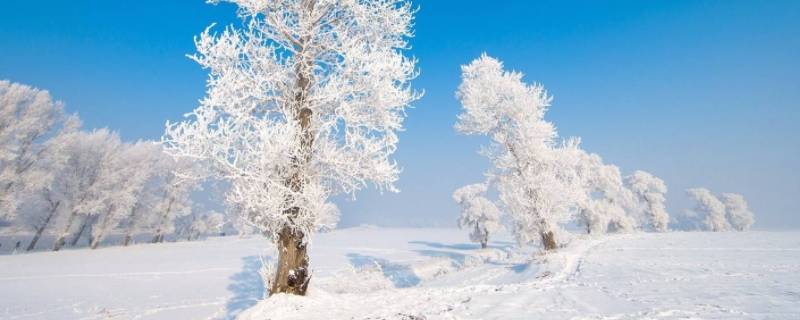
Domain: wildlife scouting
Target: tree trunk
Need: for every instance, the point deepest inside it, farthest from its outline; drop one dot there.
(96, 239)
(131, 226)
(159, 237)
(77, 238)
(62, 238)
(483, 234)
(41, 228)
(549, 240)
(292, 276)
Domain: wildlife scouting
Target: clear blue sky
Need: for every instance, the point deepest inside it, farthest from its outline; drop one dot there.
(701, 93)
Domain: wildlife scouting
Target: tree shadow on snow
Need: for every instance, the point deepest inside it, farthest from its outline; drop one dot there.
(401, 276)
(457, 246)
(247, 287)
(458, 259)
(464, 246)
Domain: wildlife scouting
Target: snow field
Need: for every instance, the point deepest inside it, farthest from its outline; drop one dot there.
(380, 273)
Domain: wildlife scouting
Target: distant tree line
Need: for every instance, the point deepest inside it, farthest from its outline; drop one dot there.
(545, 184)
(70, 184)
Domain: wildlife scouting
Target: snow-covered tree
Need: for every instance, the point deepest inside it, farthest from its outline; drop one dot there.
(158, 170)
(28, 116)
(535, 177)
(651, 192)
(710, 209)
(43, 202)
(215, 222)
(739, 214)
(304, 101)
(329, 219)
(478, 214)
(86, 155)
(122, 186)
(173, 196)
(607, 205)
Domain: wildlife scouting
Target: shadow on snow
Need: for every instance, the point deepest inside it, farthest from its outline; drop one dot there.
(247, 287)
(401, 276)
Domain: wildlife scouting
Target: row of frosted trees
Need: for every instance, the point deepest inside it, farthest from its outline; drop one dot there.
(69, 184)
(304, 102)
(544, 183)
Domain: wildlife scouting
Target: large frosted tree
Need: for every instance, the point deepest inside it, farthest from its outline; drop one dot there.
(535, 176)
(304, 101)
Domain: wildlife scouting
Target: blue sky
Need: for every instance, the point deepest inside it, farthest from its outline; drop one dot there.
(701, 93)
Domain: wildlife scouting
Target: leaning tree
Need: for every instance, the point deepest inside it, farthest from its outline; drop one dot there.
(710, 208)
(304, 101)
(535, 176)
(738, 212)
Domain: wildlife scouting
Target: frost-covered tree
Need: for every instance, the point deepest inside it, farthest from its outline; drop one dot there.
(710, 209)
(28, 116)
(304, 101)
(157, 171)
(42, 203)
(329, 219)
(651, 192)
(607, 205)
(215, 222)
(121, 187)
(173, 196)
(738, 212)
(478, 214)
(535, 177)
(86, 155)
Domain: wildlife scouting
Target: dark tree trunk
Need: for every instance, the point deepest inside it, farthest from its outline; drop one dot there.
(77, 238)
(96, 239)
(549, 241)
(159, 236)
(41, 228)
(131, 226)
(485, 233)
(62, 238)
(292, 276)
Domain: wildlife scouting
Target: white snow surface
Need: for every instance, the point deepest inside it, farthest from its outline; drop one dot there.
(382, 273)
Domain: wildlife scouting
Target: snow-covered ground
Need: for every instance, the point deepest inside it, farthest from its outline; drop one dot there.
(378, 273)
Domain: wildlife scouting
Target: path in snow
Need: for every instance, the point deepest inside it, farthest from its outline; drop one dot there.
(640, 276)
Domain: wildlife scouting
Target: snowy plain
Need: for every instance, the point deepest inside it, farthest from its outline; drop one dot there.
(384, 273)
